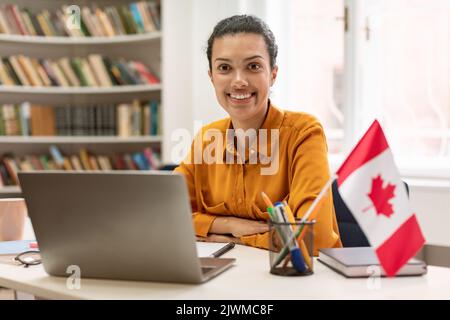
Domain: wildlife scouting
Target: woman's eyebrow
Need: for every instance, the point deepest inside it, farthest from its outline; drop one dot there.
(254, 57)
(222, 59)
(246, 59)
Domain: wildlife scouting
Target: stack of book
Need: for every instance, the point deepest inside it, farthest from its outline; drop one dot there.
(137, 118)
(93, 71)
(147, 159)
(74, 21)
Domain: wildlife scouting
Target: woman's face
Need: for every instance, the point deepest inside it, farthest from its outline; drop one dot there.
(241, 75)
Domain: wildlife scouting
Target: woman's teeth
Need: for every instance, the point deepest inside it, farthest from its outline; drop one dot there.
(241, 96)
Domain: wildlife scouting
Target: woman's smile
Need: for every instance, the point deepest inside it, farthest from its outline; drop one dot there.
(241, 98)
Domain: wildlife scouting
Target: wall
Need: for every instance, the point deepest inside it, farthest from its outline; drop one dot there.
(431, 201)
(189, 97)
(176, 69)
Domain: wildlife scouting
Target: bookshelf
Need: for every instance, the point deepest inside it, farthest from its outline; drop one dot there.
(93, 41)
(142, 47)
(78, 139)
(80, 90)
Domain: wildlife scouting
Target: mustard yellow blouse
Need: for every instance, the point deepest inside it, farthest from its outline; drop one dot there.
(235, 189)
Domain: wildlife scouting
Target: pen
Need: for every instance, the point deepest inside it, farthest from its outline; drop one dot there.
(299, 233)
(313, 208)
(226, 248)
(296, 256)
(301, 243)
(277, 214)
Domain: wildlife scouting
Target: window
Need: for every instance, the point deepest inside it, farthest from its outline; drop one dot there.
(391, 64)
(405, 54)
(311, 42)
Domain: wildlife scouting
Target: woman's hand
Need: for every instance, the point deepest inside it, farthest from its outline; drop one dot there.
(219, 238)
(243, 227)
(238, 227)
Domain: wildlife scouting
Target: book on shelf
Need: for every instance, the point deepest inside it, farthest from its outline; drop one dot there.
(84, 156)
(55, 159)
(75, 163)
(94, 70)
(133, 18)
(41, 119)
(11, 169)
(135, 118)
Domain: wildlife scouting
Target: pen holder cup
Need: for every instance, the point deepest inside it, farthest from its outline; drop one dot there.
(291, 248)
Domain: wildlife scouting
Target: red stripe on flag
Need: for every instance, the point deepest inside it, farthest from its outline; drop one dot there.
(400, 246)
(371, 144)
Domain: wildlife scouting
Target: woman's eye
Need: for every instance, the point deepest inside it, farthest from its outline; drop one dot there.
(254, 66)
(224, 67)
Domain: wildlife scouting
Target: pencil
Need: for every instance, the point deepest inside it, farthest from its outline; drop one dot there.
(266, 200)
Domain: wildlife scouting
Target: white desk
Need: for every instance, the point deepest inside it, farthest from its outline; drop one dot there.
(248, 279)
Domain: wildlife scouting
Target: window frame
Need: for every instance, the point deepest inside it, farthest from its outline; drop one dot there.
(356, 117)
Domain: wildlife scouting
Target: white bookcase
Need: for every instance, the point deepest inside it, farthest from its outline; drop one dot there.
(141, 47)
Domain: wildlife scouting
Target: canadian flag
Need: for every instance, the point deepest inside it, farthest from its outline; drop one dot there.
(370, 185)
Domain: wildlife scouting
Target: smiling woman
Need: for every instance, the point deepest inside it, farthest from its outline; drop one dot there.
(226, 195)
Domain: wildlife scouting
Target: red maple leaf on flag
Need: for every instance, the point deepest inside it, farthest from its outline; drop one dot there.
(380, 196)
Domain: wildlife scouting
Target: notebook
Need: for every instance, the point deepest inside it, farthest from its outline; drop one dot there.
(355, 262)
(16, 247)
(204, 249)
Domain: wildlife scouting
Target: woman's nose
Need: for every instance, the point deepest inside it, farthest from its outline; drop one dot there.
(239, 80)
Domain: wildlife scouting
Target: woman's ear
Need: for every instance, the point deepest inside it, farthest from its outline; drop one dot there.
(210, 75)
(273, 75)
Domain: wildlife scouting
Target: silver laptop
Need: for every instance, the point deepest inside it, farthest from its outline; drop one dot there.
(116, 225)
